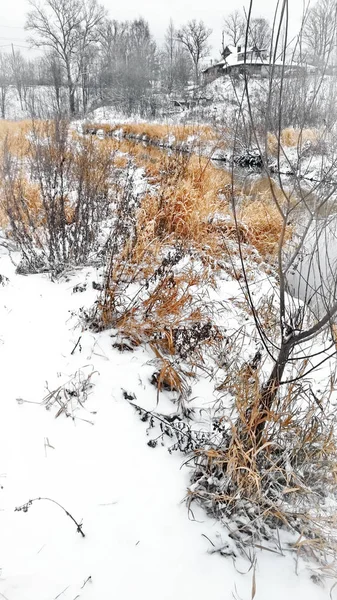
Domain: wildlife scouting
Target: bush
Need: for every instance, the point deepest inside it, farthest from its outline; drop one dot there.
(55, 215)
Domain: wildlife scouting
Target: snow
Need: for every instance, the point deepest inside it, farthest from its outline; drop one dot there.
(109, 114)
(140, 541)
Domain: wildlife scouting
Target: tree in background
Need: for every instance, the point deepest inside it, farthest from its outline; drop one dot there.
(54, 67)
(234, 28)
(5, 80)
(259, 33)
(194, 36)
(320, 32)
(175, 62)
(18, 68)
(170, 48)
(129, 63)
(68, 28)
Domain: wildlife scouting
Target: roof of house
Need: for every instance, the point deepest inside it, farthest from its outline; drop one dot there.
(257, 61)
(248, 58)
(221, 63)
(232, 58)
(229, 50)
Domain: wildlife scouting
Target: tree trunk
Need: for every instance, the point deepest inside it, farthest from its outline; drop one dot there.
(71, 101)
(270, 389)
(58, 97)
(71, 92)
(3, 102)
(196, 74)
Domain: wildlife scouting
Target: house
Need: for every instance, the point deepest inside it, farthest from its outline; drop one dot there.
(251, 61)
(213, 71)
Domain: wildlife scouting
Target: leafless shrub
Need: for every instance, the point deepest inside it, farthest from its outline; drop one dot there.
(56, 214)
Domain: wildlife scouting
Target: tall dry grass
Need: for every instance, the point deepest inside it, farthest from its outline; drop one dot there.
(55, 192)
(188, 207)
(264, 225)
(291, 138)
(17, 135)
(284, 482)
(156, 132)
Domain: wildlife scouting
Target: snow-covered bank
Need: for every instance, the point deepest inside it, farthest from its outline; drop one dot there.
(139, 541)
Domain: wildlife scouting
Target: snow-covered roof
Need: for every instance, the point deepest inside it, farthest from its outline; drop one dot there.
(247, 55)
(257, 61)
(221, 63)
(237, 56)
(252, 56)
(230, 48)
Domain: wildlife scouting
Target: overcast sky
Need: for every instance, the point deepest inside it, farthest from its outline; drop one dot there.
(157, 12)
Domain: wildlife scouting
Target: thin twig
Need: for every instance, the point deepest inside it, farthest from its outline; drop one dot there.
(25, 507)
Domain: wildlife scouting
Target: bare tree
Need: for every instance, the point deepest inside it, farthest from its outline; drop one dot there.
(320, 31)
(18, 69)
(306, 265)
(68, 28)
(129, 63)
(259, 33)
(5, 80)
(54, 70)
(22, 75)
(194, 36)
(170, 53)
(176, 64)
(233, 28)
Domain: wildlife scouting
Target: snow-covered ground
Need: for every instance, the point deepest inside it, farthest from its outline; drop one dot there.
(139, 540)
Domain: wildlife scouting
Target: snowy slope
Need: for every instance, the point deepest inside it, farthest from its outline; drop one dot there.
(139, 541)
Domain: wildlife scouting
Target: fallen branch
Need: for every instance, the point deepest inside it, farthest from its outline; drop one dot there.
(25, 507)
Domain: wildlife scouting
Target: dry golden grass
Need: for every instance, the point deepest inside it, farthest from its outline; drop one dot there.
(15, 134)
(264, 226)
(89, 161)
(260, 216)
(268, 485)
(187, 205)
(121, 161)
(84, 161)
(188, 194)
(190, 190)
(13, 127)
(291, 137)
(26, 204)
(32, 211)
(177, 213)
(156, 132)
(168, 305)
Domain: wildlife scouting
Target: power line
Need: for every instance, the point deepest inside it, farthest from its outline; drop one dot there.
(15, 46)
(11, 26)
(11, 39)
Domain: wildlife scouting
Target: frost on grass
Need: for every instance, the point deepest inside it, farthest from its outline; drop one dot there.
(172, 287)
(71, 396)
(286, 484)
